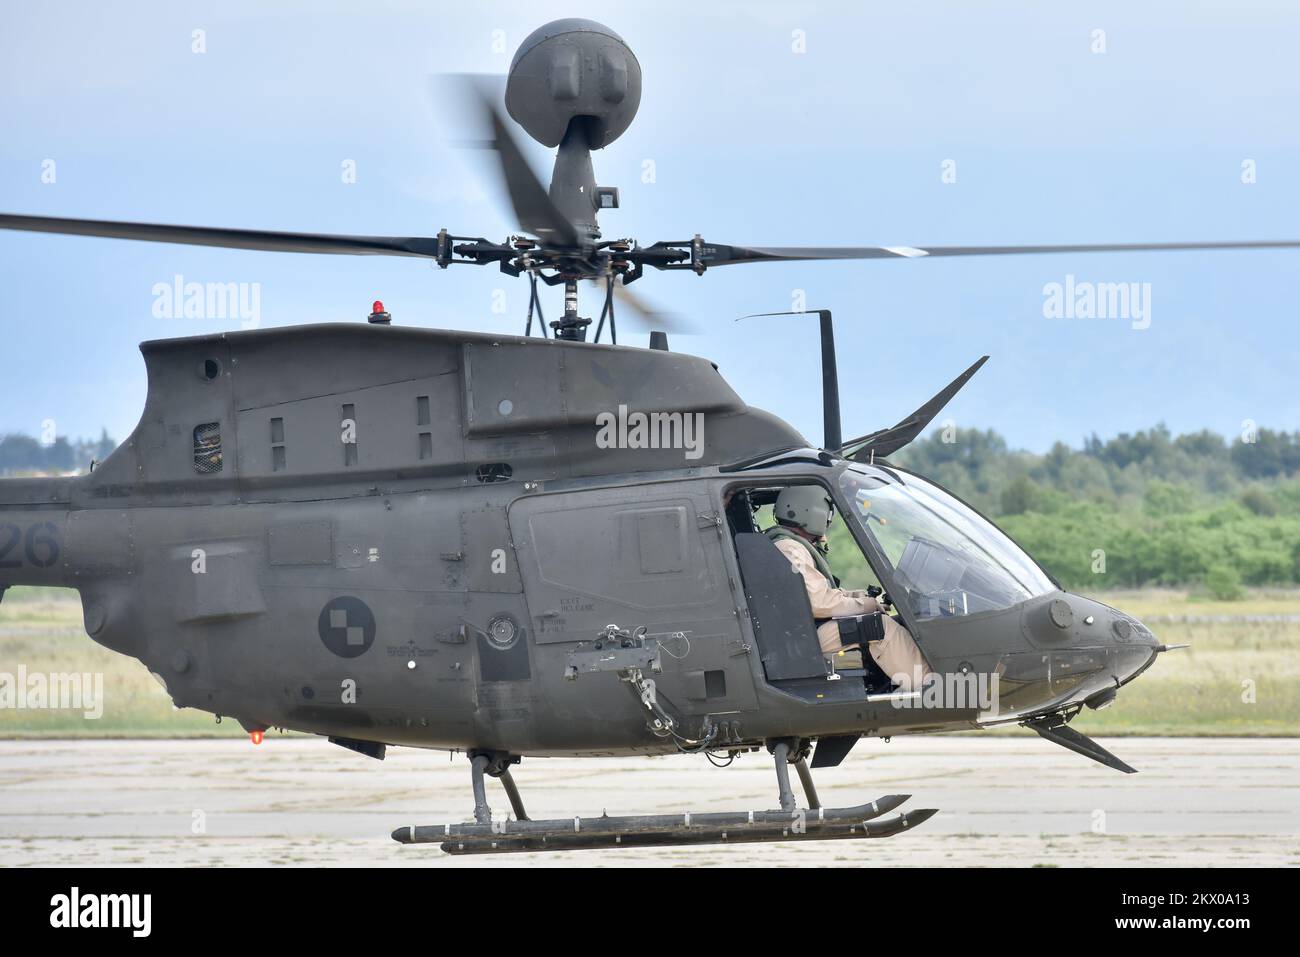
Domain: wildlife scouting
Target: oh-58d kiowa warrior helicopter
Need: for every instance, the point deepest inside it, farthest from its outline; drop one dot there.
(541, 545)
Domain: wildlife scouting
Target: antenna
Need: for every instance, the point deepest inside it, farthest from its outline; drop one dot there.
(830, 376)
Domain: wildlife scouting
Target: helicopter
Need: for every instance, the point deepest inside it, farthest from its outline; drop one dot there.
(540, 545)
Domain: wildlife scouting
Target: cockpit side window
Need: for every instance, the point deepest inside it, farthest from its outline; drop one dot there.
(846, 559)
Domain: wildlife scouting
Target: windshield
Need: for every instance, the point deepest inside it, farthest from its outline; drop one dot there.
(949, 559)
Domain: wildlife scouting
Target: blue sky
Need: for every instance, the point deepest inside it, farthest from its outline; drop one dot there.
(752, 143)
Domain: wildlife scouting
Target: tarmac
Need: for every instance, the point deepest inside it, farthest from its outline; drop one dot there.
(1003, 801)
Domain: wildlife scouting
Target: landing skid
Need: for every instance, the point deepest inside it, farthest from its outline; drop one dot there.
(790, 824)
(663, 830)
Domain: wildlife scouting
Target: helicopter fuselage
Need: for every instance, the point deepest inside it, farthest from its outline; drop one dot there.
(410, 537)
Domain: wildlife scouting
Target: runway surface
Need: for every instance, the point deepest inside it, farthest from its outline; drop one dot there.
(1016, 801)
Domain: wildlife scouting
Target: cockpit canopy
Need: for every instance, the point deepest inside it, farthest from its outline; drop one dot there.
(947, 558)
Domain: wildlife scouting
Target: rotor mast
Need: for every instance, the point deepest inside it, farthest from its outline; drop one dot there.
(573, 182)
(573, 191)
(571, 326)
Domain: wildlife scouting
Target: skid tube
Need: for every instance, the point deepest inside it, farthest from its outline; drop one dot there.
(661, 830)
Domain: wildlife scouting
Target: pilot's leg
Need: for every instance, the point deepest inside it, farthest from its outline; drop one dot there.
(898, 656)
(828, 636)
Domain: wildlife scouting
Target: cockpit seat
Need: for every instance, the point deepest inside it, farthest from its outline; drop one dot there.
(784, 626)
(779, 610)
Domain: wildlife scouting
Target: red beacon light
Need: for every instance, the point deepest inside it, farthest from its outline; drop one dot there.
(255, 737)
(378, 316)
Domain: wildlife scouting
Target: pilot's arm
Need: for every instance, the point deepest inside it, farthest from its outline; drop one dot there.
(826, 600)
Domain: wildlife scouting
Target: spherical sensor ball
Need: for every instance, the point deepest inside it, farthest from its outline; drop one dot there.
(574, 68)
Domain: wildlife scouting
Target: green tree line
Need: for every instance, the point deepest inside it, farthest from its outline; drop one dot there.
(24, 455)
(1149, 508)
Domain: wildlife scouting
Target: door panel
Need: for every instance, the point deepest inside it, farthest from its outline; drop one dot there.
(649, 556)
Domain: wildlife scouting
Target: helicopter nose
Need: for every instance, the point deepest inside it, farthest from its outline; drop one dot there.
(1132, 649)
(1090, 649)
(1072, 620)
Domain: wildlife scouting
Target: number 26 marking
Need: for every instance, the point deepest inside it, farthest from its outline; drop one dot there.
(40, 546)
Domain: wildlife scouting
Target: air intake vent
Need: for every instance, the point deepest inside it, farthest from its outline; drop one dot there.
(207, 448)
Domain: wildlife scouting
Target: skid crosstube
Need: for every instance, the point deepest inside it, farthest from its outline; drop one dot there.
(728, 827)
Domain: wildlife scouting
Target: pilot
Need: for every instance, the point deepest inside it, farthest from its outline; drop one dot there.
(803, 514)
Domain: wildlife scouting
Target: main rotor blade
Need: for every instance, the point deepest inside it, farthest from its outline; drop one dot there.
(717, 255)
(649, 318)
(645, 317)
(228, 238)
(532, 203)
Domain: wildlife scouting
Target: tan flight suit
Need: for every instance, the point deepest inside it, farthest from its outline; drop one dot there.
(896, 653)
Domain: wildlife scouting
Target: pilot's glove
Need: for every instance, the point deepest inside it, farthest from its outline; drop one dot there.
(881, 596)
